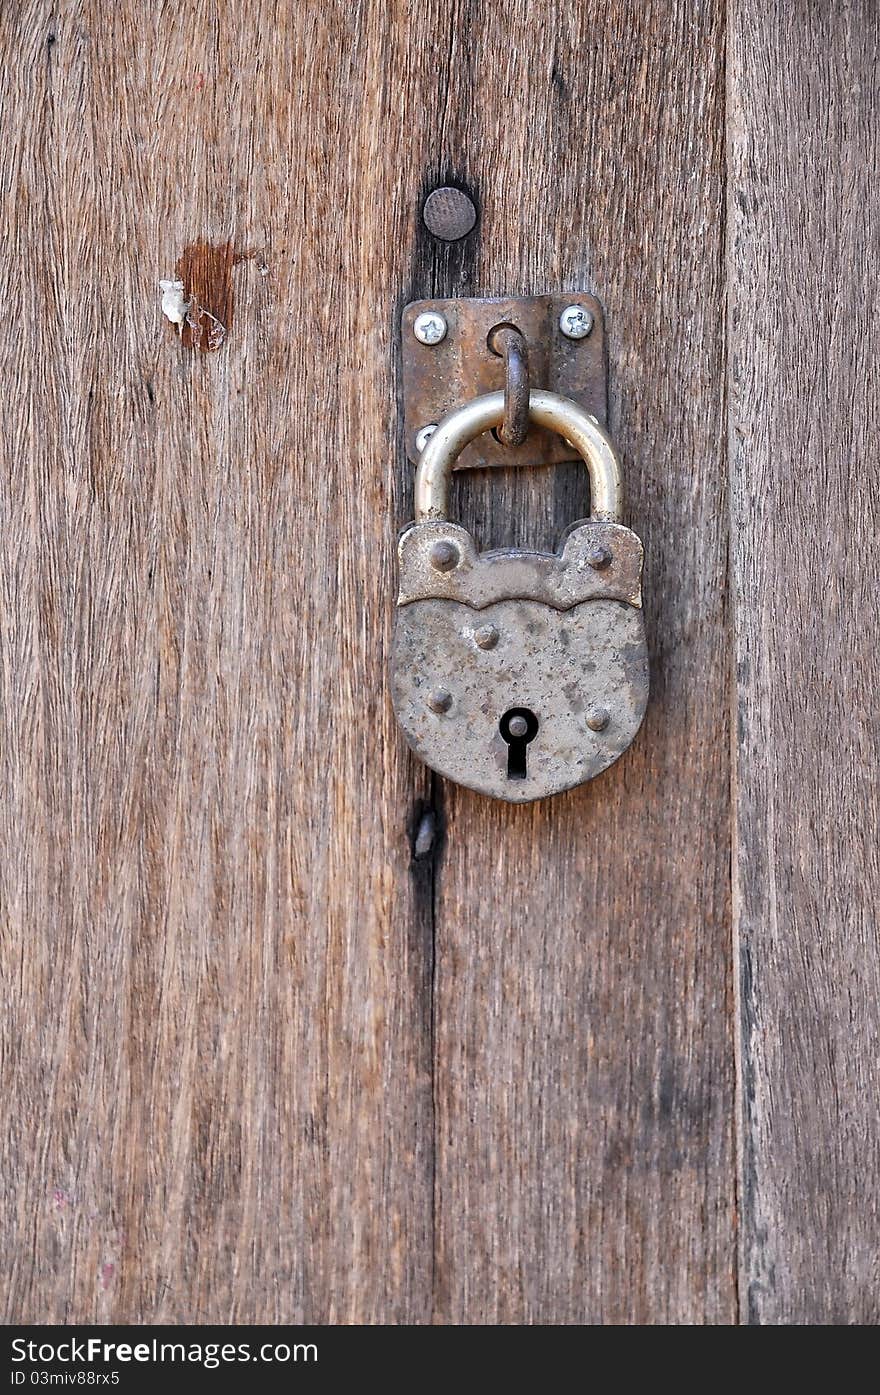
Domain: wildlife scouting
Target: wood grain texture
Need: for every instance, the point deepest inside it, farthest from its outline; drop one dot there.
(583, 1059)
(258, 1063)
(804, 419)
(216, 956)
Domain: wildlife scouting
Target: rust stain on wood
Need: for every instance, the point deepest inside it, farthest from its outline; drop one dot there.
(206, 272)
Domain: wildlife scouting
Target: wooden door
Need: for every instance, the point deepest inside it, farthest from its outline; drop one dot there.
(267, 1055)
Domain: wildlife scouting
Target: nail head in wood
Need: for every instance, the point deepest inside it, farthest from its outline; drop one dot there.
(449, 214)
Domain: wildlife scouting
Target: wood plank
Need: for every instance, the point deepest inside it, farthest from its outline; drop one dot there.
(226, 1028)
(583, 1057)
(804, 419)
(216, 952)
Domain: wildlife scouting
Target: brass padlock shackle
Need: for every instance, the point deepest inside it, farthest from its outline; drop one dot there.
(548, 409)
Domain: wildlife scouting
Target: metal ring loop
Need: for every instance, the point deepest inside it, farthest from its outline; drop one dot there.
(548, 409)
(507, 341)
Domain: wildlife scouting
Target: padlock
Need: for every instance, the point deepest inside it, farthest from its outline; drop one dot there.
(519, 674)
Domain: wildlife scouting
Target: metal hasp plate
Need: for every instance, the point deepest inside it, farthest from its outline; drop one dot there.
(452, 362)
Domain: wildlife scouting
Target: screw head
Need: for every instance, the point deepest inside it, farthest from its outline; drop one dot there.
(424, 435)
(486, 637)
(430, 327)
(444, 555)
(440, 700)
(598, 718)
(517, 727)
(449, 214)
(599, 557)
(576, 321)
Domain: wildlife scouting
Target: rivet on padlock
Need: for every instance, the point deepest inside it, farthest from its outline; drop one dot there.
(519, 674)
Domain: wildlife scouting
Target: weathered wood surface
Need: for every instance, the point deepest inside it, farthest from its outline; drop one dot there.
(805, 417)
(239, 1087)
(259, 1061)
(583, 1054)
(216, 959)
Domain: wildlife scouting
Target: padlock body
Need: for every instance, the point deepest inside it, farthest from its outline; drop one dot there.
(566, 643)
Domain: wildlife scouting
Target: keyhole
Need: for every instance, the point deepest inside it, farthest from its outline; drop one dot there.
(518, 727)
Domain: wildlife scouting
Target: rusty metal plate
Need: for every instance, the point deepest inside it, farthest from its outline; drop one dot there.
(438, 377)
